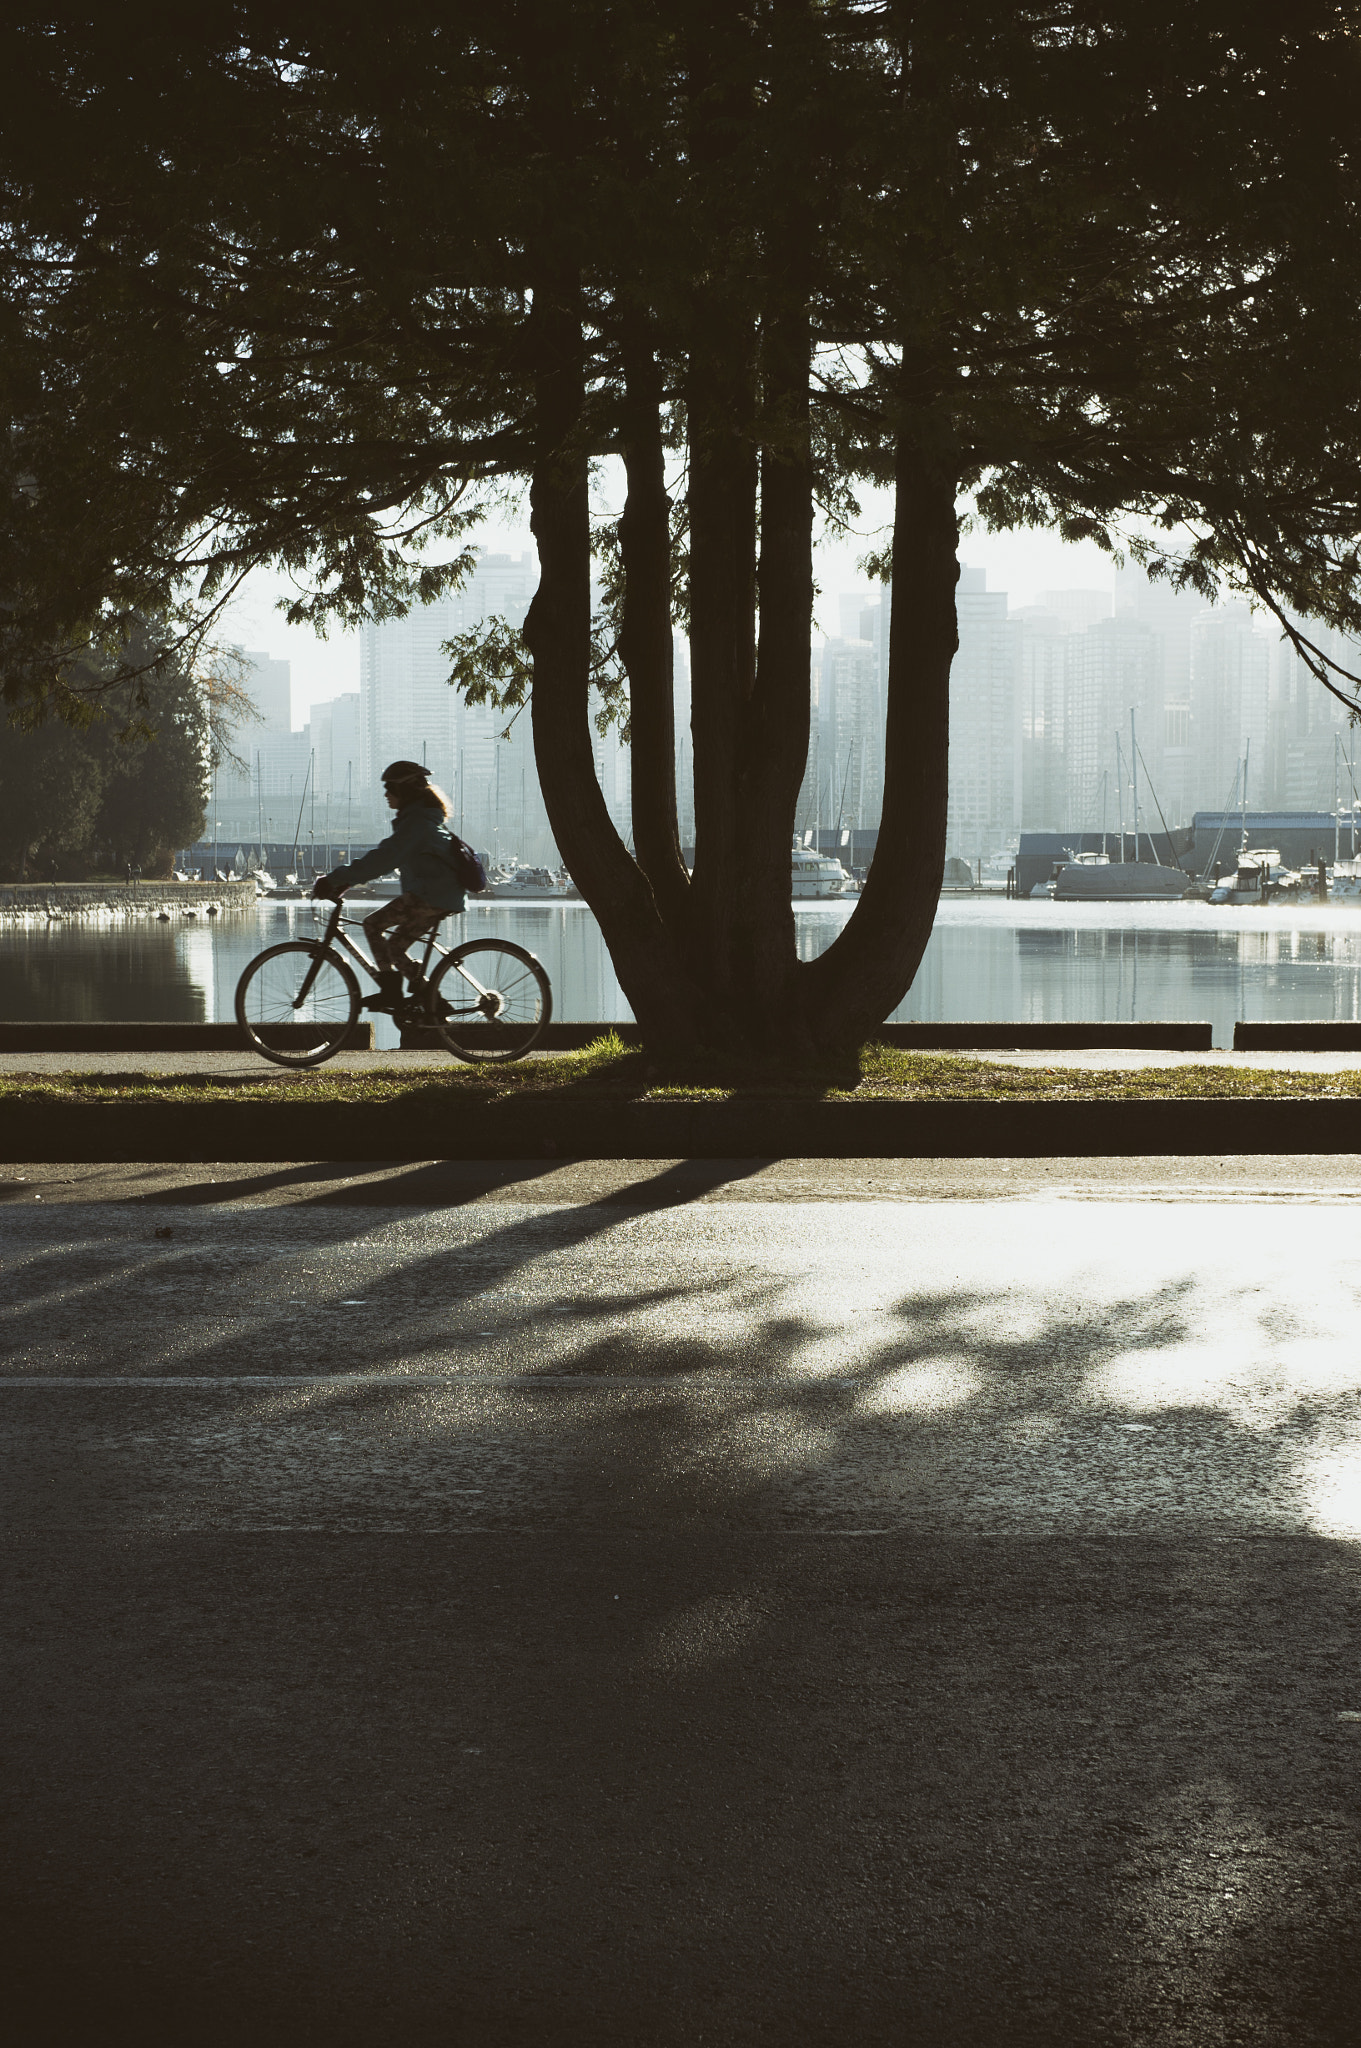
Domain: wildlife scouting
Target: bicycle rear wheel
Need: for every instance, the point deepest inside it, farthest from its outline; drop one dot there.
(297, 1004)
(489, 1001)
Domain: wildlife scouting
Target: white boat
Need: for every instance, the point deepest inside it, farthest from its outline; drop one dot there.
(815, 874)
(1259, 876)
(524, 885)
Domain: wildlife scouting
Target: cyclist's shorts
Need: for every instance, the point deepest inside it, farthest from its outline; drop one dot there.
(405, 918)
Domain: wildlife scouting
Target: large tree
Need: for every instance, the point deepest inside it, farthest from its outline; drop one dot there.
(283, 284)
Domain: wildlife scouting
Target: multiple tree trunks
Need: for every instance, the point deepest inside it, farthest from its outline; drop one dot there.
(711, 959)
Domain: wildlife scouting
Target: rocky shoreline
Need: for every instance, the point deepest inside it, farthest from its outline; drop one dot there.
(57, 902)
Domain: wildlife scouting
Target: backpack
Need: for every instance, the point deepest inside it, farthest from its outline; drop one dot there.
(466, 865)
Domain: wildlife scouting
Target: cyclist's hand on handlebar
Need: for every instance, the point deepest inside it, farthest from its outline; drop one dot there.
(328, 890)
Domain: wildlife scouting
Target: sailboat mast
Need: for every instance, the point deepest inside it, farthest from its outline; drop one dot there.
(1134, 777)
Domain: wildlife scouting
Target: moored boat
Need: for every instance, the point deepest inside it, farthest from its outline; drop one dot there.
(815, 874)
(1092, 878)
(523, 885)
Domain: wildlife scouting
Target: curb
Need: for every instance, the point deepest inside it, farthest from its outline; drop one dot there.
(759, 1128)
(158, 1037)
(1343, 1036)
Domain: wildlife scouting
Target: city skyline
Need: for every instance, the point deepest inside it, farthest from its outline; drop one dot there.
(1021, 563)
(1041, 697)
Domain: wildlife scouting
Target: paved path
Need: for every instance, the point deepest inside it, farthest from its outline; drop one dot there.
(809, 1602)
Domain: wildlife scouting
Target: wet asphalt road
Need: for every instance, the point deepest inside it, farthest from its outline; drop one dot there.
(821, 1601)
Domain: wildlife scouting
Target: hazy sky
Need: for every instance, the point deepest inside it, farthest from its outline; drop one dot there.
(1022, 564)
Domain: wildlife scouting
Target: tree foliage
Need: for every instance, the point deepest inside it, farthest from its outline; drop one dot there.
(296, 285)
(127, 784)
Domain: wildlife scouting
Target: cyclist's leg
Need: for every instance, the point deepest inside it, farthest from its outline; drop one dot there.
(375, 932)
(405, 919)
(387, 955)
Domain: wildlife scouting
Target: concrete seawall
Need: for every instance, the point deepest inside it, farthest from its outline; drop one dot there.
(216, 1127)
(60, 900)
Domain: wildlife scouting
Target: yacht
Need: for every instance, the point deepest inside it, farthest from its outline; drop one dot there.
(1344, 881)
(1260, 875)
(523, 885)
(380, 891)
(815, 874)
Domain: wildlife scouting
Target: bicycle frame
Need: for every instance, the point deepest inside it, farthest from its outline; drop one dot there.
(334, 936)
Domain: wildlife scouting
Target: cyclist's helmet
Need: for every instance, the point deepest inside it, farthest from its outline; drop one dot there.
(406, 782)
(405, 774)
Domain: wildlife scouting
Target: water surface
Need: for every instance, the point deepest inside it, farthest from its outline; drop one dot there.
(988, 961)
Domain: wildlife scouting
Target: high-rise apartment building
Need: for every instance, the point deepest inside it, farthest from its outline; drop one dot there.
(1171, 751)
(1112, 669)
(409, 711)
(984, 811)
(333, 733)
(808, 809)
(1042, 653)
(851, 736)
(685, 745)
(1313, 741)
(269, 683)
(1230, 703)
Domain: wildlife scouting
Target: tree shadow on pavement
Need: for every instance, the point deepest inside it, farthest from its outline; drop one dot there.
(752, 1680)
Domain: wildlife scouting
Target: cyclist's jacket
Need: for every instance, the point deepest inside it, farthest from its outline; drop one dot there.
(418, 847)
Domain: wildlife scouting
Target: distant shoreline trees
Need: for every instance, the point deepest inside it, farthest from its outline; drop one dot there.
(312, 286)
(126, 785)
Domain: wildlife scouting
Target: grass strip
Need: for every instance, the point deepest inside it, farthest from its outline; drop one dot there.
(609, 1071)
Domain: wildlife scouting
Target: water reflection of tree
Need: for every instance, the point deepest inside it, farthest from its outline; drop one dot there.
(77, 973)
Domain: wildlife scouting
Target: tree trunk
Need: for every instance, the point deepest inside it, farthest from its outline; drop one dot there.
(722, 503)
(645, 643)
(557, 631)
(863, 976)
(773, 748)
(720, 404)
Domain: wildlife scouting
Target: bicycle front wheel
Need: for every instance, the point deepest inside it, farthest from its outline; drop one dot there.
(297, 1004)
(490, 1001)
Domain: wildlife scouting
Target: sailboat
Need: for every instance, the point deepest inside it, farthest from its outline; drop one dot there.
(1096, 878)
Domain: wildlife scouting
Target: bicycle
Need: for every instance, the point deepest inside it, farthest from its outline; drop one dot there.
(299, 1002)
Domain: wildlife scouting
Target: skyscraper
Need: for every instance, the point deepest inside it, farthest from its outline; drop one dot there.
(409, 711)
(984, 813)
(851, 742)
(1042, 657)
(269, 683)
(1230, 702)
(1111, 669)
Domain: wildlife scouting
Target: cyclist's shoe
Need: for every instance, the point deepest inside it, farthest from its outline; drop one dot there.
(422, 1005)
(390, 993)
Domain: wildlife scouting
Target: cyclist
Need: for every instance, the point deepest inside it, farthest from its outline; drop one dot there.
(419, 848)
